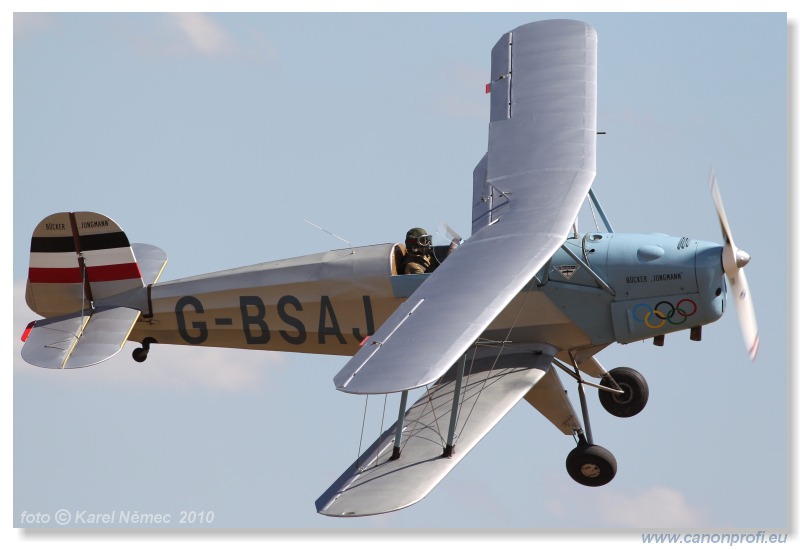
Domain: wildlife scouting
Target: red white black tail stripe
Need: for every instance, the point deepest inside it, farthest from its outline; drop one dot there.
(78, 256)
(107, 257)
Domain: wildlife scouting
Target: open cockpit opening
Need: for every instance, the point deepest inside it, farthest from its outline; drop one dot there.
(399, 258)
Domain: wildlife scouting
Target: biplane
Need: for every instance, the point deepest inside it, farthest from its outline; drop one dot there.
(526, 300)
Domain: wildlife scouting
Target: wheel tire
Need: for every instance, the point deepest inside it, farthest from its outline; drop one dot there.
(139, 355)
(632, 401)
(591, 465)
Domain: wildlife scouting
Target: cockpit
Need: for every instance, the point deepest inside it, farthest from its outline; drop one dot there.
(398, 257)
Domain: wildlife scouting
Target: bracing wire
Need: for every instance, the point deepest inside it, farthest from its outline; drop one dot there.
(496, 358)
(464, 391)
(363, 423)
(383, 416)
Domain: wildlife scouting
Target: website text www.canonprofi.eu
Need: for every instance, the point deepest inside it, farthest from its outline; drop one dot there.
(730, 539)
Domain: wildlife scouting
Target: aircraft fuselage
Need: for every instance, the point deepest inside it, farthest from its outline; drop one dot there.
(598, 289)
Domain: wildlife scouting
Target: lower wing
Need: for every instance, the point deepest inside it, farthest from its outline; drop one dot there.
(493, 382)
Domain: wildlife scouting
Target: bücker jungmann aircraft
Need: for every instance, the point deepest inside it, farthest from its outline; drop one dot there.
(523, 302)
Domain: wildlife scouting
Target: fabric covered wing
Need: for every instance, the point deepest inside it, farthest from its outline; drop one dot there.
(374, 484)
(540, 166)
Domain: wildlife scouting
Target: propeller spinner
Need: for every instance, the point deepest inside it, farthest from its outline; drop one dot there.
(733, 262)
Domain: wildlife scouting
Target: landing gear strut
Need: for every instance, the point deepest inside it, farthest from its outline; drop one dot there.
(589, 464)
(140, 354)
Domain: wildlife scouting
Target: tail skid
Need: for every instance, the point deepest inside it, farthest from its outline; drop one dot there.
(79, 262)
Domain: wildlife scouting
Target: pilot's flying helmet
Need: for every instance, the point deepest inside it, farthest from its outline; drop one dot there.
(417, 238)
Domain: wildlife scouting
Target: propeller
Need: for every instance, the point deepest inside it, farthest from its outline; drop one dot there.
(733, 262)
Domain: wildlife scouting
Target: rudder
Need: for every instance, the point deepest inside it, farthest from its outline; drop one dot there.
(77, 258)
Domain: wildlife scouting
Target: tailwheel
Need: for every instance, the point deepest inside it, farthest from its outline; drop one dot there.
(634, 388)
(591, 465)
(140, 354)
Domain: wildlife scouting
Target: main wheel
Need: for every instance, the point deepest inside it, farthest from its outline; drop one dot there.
(591, 465)
(634, 398)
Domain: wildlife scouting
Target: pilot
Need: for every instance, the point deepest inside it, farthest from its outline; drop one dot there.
(419, 251)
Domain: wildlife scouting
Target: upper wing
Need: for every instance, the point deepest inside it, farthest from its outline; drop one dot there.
(540, 166)
(375, 483)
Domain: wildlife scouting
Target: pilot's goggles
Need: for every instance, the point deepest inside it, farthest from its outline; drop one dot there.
(422, 240)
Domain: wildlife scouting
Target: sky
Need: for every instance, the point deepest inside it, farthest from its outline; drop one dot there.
(214, 136)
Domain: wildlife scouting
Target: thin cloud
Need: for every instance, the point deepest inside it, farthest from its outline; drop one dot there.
(200, 35)
(28, 25)
(653, 507)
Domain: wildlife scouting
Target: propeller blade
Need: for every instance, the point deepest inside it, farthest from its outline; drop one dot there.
(733, 262)
(740, 291)
(723, 219)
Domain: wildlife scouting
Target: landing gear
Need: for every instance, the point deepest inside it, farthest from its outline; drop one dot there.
(140, 354)
(634, 396)
(588, 464)
(591, 465)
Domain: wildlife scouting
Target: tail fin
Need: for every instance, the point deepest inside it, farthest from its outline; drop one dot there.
(78, 261)
(76, 258)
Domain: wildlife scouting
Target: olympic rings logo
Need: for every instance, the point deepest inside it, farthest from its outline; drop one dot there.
(664, 312)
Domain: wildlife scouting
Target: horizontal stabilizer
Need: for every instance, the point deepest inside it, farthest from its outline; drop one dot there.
(151, 260)
(375, 484)
(79, 339)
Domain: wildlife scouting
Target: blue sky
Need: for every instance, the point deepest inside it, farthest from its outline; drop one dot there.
(215, 136)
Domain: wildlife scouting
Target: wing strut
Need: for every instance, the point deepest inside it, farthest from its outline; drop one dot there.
(398, 436)
(593, 201)
(381, 481)
(451, 430)
(598, 279)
